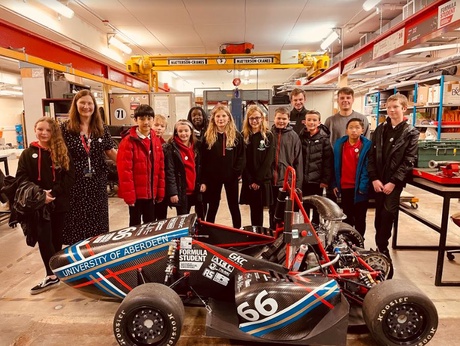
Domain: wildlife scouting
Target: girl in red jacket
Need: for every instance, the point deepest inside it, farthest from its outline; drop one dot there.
(140, 166)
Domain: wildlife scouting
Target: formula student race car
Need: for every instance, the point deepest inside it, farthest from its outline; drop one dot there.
(299, 284)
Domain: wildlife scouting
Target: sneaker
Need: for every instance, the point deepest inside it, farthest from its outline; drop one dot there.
(45, 285)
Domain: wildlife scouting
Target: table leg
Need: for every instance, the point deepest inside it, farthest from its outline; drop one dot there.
(442, 241)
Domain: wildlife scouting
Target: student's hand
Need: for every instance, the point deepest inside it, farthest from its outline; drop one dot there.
(336, 191)
(174, 199)
(49, 197)
(378, 186)
(130, 205)
(388, 188)
(203, 188)
(254, 186)
(159, 200)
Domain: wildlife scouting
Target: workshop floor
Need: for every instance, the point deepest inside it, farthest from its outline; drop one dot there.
(65, 316)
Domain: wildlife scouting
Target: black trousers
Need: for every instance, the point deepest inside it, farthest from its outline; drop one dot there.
(161, 210)
(191, 200)
(143, 211)
(355, 212)
(213, 192)
(50, 238)
(386, 207)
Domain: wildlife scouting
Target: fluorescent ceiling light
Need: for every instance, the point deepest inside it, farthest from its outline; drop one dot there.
(370, 4)
(329, 40)
(120, 45)
(58, 7)
(429, 49)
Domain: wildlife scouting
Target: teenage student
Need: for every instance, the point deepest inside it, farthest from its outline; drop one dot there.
(257, 175)
(140, 166)
(391, 159)
(222, 163)
(351, 181)
(318, 159)
(47, 164)
(183, 168)
(288, 152)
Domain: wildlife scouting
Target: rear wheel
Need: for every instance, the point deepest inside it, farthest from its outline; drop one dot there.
(378, 261)
(398, 313)
(350, 235)
(151, 314)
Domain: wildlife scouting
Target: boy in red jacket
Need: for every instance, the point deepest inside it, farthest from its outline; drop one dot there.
(140, 166)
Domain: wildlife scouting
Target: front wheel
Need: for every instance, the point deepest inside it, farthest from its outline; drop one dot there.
(398, 313)
(151, 314)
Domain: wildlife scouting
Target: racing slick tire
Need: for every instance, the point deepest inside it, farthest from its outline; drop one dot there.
(398, 313)
(351, 235)
(151, 314)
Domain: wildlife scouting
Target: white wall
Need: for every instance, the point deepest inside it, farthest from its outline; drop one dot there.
(10, 115)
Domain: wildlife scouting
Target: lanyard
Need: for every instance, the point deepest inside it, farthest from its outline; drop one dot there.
(87, 148)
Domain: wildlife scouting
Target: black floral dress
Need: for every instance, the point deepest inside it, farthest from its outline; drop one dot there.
(89, 205)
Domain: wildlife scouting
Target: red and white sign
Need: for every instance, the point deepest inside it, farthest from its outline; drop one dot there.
(448, 13)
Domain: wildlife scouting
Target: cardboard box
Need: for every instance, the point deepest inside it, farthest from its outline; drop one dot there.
(451, 93)
(433, 94)
(422, 95)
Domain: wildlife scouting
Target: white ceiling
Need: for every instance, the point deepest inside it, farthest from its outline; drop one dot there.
(153, 27)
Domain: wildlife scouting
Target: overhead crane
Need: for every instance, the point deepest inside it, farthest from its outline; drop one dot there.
(147, 66)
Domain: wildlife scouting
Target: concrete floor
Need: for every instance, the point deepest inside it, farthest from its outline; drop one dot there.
(66, 316)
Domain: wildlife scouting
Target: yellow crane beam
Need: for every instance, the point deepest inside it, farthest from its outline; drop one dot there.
(142, 66)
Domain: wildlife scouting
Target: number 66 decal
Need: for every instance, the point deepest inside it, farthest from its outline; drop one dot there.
(264, 307)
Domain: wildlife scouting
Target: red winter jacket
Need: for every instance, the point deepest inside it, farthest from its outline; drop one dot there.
(135, 169)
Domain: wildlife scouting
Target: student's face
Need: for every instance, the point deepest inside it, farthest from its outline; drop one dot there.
(145, 123)
(312, 122)
(85, 106)
(395, 111)
(221, 119)
(255, 121)
(345, 102)
(197, 118)
(354, 130)
(281, 120)
(298, 101)
(43, 132)
(159, 127)
(184, 133)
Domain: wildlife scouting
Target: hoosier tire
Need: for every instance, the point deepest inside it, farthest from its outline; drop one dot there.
(151, 314)
(398, 313)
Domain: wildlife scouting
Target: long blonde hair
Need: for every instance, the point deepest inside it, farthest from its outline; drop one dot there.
(230, 128)
(96, 125)
(59, 152)
(247, 129)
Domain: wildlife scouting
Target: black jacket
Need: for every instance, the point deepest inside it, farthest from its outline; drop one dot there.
(35, 165)
(297, 118)
(176, 183)
(220, 163)
(318, 157)
(30, 208)
(402, 154)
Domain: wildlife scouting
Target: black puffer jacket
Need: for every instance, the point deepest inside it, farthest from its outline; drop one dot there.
(401, 158)
(318, 157)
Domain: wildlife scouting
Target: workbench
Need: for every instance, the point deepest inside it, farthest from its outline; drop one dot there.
(4, 159)
(447, 193)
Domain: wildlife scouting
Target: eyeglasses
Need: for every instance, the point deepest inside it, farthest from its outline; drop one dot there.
(255, 119)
